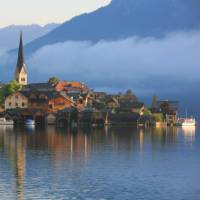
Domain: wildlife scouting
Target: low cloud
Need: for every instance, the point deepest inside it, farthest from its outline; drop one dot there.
(144, 64)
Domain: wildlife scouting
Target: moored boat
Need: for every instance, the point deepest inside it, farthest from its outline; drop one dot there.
(187, 122)
(29, 122)
(4, 121)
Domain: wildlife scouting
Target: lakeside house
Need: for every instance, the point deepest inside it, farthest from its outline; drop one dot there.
(169, 110)
(16, 100)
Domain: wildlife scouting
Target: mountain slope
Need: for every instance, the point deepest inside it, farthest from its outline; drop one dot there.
(124, 18)
(9, 36)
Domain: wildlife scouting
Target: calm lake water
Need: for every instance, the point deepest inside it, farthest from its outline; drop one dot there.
(100, 164)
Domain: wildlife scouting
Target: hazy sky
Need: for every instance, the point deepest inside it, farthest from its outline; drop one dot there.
(44, 11)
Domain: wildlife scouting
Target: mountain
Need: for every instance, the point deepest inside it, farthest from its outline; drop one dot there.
(9, 36)
(125, 18)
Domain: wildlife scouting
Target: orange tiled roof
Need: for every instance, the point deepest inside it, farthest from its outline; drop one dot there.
(63, 84)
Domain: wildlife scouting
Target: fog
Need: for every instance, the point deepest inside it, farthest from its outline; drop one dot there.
(139, 63)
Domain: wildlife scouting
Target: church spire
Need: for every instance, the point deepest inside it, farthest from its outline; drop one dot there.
(21, 72)
(20, 60)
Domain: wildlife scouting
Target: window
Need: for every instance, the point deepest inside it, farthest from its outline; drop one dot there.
(50, 106)
(23, 79)
(16, 97)
(33, 96)
(42, 96)
(23, 104)
(10, 104)
(16, 104)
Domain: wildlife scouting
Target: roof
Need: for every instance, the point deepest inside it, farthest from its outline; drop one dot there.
(71, 86)
(49, 94)
(173, 105)
(15, 93)
(39, 87)
(131, 105)
(126, 98)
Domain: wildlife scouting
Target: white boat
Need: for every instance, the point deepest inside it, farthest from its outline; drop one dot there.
(4, 121)
(29, 122)
(187, 122)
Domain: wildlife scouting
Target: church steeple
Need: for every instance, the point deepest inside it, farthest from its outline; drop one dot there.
(20, 60)
(21, 72)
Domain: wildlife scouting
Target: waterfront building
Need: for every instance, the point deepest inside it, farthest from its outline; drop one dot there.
(169, 109)
(132, 107)
(21, 70)
(48, 101)
(16, 100)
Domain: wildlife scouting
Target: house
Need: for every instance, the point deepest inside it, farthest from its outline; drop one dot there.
(58, 102)
(100, 95)
(48, 101)
(169, 109)
(127, 98)
(111, 102)
(132, 107)
(16, 100)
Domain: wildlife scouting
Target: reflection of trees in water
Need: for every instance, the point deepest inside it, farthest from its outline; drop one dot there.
(163, 136)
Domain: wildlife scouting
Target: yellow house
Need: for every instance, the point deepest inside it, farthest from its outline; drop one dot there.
(16, 100)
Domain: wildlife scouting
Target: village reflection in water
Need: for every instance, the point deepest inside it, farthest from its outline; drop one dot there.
(76, 146)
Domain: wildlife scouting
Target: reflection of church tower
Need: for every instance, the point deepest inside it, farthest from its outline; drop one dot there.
(21, 71)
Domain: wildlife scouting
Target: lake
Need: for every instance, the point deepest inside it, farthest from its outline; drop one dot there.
(100, 164)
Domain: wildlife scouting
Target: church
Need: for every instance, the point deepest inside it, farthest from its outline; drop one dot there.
(21, 70)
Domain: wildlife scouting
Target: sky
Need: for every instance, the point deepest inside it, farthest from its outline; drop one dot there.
(23, 12)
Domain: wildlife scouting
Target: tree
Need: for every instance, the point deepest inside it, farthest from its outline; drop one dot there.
(158, 117)
(129, 92)
(11, 87)
(54, 80)
(147, 112)
(2, 96)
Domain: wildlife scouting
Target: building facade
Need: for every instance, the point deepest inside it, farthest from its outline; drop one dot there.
(16, 100)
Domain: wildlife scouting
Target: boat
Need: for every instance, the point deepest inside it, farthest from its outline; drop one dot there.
(29, 122)
(187, 122)
(4, 121)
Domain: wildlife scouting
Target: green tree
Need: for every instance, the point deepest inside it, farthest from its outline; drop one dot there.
(54, 80)
(147, 112)
(11, 87)
(2, 96)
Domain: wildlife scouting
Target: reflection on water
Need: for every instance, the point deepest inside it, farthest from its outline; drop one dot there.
(189, 134)
(78, 164)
